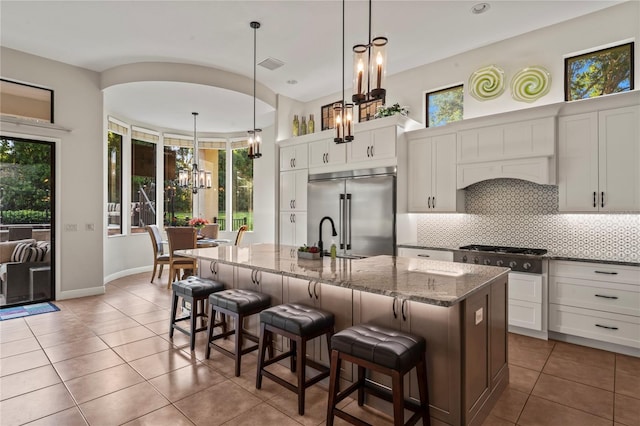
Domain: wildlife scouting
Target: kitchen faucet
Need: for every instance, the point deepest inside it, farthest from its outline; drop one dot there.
(333, 232)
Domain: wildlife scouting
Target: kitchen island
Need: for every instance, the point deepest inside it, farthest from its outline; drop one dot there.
(460, 309)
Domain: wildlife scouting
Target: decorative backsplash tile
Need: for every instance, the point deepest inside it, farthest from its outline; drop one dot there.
(513, 212)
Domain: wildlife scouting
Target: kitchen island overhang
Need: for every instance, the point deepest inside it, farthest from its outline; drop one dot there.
(460, 309)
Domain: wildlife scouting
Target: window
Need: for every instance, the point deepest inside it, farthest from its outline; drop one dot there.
(26, 101)
(178, 200)
(367, 110)
(327, 120)
(242, 187)
(444, 106)
(114, 183)
(222, 184)
(599, 73)
(143, 185)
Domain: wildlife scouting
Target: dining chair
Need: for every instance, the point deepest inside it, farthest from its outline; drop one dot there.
(240, 234)
(180, 238)
(159, 258)
(210, 231)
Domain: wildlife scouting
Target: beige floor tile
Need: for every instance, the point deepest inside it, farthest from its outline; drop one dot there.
(26, 361)
(161, 363)
(17, 347)
(541, 412)
(269, 388)
(602, 378)
(628, 364)
(627, 410)
(533, 358)
(113, 326)
(27, 381)
(120, 337)
(368, 414)
(627, 384)
(35, 405)
(87, 364)
(510, 405)
(142, 348)
(12, 334)
(522, 379)
(103, 382)
(496, 421)
(69, 417)
(582, 354)
(315, 407)
(64, 336)
(217, 404)
(142, 308)
(75, 349)
(521, 341)
(104, 317)
(576, 395)
(159, 327)
(62, 324)
(168, 415)
(154, 316)
(186, 381)
(123, 406)
(263, 414)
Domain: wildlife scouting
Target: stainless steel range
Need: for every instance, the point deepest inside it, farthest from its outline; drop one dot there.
(517, 258)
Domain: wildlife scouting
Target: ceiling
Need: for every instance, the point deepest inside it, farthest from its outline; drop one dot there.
(304, 34)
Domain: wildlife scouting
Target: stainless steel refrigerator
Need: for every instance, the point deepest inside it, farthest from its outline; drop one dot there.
(362, 204)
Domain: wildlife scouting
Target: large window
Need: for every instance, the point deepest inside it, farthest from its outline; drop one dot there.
(114, 183)
(599, 73)
(143, 185)
(178, 200)
(444, 106)
(242, 187)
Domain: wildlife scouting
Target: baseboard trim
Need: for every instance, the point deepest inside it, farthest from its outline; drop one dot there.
(606, 346)
(127, 272)
(85, 292)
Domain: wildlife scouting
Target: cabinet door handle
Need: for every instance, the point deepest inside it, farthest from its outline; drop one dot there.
(253, 280)
(315, 290)
(294, 218)
(404, 317)
(294, 163)
(327, 154)
(213, 266)
(393, 307)
(429, 202)
(372, 150)
(602, 199)
(423, 255)
(608, 327)
(604, 296)
(368, 152)
(433, 202)
(291, 162)
(606, 272)
(258, 277)
(309, 290)
(594, 199)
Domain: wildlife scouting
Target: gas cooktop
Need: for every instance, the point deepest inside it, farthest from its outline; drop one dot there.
(505, 250)
(519, 259)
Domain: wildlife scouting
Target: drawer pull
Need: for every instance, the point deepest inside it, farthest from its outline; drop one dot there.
(606, 272)
(423, 255)
(607, 297)
(607, 327)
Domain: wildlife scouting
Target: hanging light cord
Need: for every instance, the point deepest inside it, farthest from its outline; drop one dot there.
(343, 97)
(255, 26)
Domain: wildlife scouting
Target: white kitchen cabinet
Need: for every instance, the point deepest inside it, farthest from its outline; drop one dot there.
(432, 175)
(326, 152)
(595, 301)
(375, 144)
(599, 161)
(293, 157)
(217, 271)
(526, 297)
(293, 190)
(293, 228)
(445, 255)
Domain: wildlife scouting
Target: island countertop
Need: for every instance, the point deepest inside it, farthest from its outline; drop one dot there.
(427, 281)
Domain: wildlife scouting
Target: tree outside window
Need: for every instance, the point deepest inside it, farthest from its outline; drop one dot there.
(242, 171)
(599, 73)
(114, 183)
(444, 106)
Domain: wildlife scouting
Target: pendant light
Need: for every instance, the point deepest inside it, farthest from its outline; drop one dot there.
(369, 61)
(255, 140)
(200, 179)
(343, 112)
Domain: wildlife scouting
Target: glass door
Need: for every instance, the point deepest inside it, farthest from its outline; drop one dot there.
(27, 218)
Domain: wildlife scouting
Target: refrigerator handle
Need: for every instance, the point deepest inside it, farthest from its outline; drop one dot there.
(348, 222)
(342, 221)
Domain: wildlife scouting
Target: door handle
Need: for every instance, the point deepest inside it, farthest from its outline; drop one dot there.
(315, 292)
(368, 151)
(404, 316)
(213, 266)
(604, 296)
(608, 327)
(291, 163)
(294, 163)
(294, 204)
(423, 255)
(309, 290)
(433, 202)
(393, 307)
(602, 199)
(429, 202)
(327, 154)
(294, 218)
(606, 272)
(372, 150)
(342, 220)
(348, 224)
(594, 199)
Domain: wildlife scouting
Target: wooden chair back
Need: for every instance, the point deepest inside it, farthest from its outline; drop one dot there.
(210, 230)
(240, 234)
(156, 239)
(181, 238)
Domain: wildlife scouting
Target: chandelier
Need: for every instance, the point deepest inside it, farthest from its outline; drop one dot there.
(255, 140)
(369, 61)
(343, 112)
(200, 179)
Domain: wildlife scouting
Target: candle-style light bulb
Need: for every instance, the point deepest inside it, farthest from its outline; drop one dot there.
(360, 73)
(379, 62)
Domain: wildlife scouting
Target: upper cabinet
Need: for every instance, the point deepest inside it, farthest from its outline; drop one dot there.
(599, 161)
(375, 144)
(326, 152)
(293, 157)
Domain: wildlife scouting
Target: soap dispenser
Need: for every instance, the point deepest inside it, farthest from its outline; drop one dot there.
(334, 251)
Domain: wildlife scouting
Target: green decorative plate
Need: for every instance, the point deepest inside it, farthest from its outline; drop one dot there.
(530, 84)
(487, 83)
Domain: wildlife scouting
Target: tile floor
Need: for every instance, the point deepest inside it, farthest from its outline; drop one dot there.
(107, 360)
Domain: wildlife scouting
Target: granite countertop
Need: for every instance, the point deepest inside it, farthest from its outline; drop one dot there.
(551, 255)
(427, 281)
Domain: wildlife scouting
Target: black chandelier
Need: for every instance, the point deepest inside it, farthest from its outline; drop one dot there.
(200, 179)
(255, 140)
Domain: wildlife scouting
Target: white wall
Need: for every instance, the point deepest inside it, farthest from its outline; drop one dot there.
(80, 169)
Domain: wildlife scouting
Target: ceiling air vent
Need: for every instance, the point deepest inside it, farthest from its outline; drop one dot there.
(271, 64)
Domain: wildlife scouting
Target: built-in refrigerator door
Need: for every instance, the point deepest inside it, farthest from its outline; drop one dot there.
(370, 215)
(324, 199)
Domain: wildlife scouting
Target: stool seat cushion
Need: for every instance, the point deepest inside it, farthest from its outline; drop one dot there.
(298, 319)
(382, 346)
(196, 287)
(240, 301)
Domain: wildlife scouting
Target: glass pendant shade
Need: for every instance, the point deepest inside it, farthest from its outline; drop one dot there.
(183, 178)
(377, 67)
(337, 115)
(347, 124)
(255, 142)
(360, 74)
(208, 179)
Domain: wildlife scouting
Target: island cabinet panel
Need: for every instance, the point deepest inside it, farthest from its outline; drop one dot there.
(476, 340)
(216, 271)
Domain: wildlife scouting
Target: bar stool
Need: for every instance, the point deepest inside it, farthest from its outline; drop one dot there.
(388, 352)
(299, 323)
(194, 290)
(238, 304)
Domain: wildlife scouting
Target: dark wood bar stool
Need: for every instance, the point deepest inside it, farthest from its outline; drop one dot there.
(298, 323)
(194, 290)
(238, 304)
(388, 352)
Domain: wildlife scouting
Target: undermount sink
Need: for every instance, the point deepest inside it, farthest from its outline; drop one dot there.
(345, 256)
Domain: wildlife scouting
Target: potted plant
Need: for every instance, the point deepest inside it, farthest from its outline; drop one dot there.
(385, 111)
(198, 223)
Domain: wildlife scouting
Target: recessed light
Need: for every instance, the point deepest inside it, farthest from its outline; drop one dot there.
(292, 81)
(479, 8)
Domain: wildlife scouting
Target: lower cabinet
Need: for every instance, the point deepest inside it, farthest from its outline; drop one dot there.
(426, 254)
(293, 228)
(217, 271)
(526, 301)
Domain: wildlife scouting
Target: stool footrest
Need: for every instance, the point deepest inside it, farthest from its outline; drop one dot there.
(277, 358)
(383, 392)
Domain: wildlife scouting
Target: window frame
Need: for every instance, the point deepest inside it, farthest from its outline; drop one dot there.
(44, 89)
(440, 91)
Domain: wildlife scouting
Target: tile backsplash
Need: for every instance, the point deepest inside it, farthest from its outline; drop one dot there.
(513, 212)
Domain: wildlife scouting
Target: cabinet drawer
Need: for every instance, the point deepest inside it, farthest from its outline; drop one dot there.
(604, 326)
(525, 314)
(526, 287)
(426, 254)
(603, 296)
(596, 271)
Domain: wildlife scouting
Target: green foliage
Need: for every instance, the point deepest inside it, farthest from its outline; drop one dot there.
(600, 73)
(444, 106)
(12, 217)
